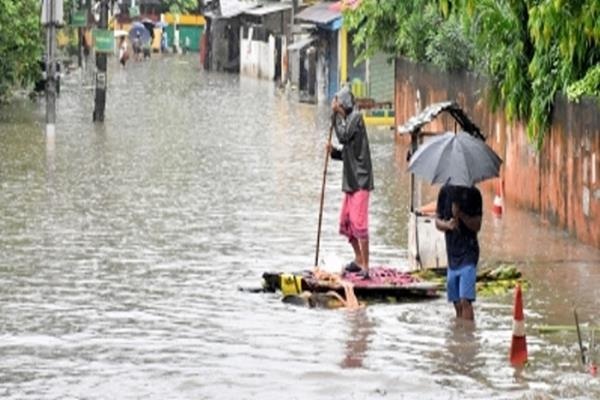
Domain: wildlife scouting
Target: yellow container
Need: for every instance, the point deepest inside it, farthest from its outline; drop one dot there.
(290, 284)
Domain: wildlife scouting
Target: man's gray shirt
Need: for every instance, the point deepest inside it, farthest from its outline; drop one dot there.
(352, 135)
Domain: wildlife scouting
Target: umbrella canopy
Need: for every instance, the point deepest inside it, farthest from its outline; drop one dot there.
(149, 24)
(459, 159)
(137, 28)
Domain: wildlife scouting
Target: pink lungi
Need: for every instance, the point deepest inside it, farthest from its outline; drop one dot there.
(354, 218)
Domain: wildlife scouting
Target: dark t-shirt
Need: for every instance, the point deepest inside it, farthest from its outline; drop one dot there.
(461, 244)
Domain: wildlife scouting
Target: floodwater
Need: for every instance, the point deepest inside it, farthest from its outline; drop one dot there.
(123, 247)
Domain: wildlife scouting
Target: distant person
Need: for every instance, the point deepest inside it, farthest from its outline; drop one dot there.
(123, 53)
(86, 48)
(163, 42)
(357, 180)
(146, 49)
(459, 212)
(137, 46)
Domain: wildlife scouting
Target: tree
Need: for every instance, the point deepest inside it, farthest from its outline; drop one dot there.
(528, 49)
(181, 6)
(20, 43)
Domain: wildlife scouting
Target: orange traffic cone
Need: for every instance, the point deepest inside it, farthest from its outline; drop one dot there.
(497, 207)
(518, 347)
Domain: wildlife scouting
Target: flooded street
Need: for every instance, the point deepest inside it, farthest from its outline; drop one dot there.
(123, 246)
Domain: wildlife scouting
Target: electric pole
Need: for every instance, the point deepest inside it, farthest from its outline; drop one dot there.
(51, 17)
(100, 99)
(80, 39)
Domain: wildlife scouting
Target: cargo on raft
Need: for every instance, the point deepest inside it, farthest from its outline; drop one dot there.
(383, 284)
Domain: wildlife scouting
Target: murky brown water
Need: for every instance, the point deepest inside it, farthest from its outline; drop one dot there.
(122, 248)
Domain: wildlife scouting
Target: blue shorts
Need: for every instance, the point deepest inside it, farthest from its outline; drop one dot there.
(461, 283)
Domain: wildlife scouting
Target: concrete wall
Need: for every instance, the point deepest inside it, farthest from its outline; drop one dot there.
(257, 58)
(561, 181)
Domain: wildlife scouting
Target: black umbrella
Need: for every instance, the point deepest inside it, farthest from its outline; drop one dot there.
(149, 24)
(459, 159)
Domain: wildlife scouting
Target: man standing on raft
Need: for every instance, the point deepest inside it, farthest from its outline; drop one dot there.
(357, 180)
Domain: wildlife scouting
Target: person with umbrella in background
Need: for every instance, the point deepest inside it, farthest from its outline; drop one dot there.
(139, 35)
(357, 179)
(137, 46)
(458, 161)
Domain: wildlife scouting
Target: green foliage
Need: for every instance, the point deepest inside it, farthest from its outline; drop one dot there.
(20, 43)
(588, 86)
(180, 6)
(567, 46)
(449, 48)
(529, 49)
(416, 29)
(500, 38)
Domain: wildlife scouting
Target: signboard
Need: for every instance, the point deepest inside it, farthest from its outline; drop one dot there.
(134, 12)
(104, 41)
(79, 19)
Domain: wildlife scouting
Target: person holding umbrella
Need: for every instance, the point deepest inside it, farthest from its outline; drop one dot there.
(357, 180)
(458, 215)
(458, 161)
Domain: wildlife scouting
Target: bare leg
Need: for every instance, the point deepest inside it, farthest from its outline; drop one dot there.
(357, 251)
(467, 310)
(364, 252)
(458, 309)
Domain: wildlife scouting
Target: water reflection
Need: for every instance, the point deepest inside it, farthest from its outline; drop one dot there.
(463, 344)
(361, 327)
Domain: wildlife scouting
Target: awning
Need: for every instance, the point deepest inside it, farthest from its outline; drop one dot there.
(433, 110)
(300, 44)
(268, 9)
(230, 9)
(320, 14)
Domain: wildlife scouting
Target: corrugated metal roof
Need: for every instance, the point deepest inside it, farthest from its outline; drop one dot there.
(268, 9)
(300, 44)
(416, 122)
(320, 13)
(232, 8)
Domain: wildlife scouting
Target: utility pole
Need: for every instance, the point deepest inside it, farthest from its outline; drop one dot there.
(80, 39)
(51, 17)
(100, 99)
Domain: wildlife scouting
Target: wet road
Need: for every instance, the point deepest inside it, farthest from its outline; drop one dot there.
(123, 245)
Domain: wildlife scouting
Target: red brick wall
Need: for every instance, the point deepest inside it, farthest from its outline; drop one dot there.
(561, 181)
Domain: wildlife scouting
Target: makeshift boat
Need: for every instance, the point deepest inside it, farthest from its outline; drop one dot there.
(383, 284)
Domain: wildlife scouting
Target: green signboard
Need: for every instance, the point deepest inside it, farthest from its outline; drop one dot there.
(104, 41)
(79, 19)
(134, 12)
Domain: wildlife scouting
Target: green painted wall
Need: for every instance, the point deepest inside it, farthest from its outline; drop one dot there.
(194, 32)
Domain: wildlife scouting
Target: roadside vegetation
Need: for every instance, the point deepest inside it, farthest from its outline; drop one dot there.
(22, 38)
(528, 49)
(20, 44)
